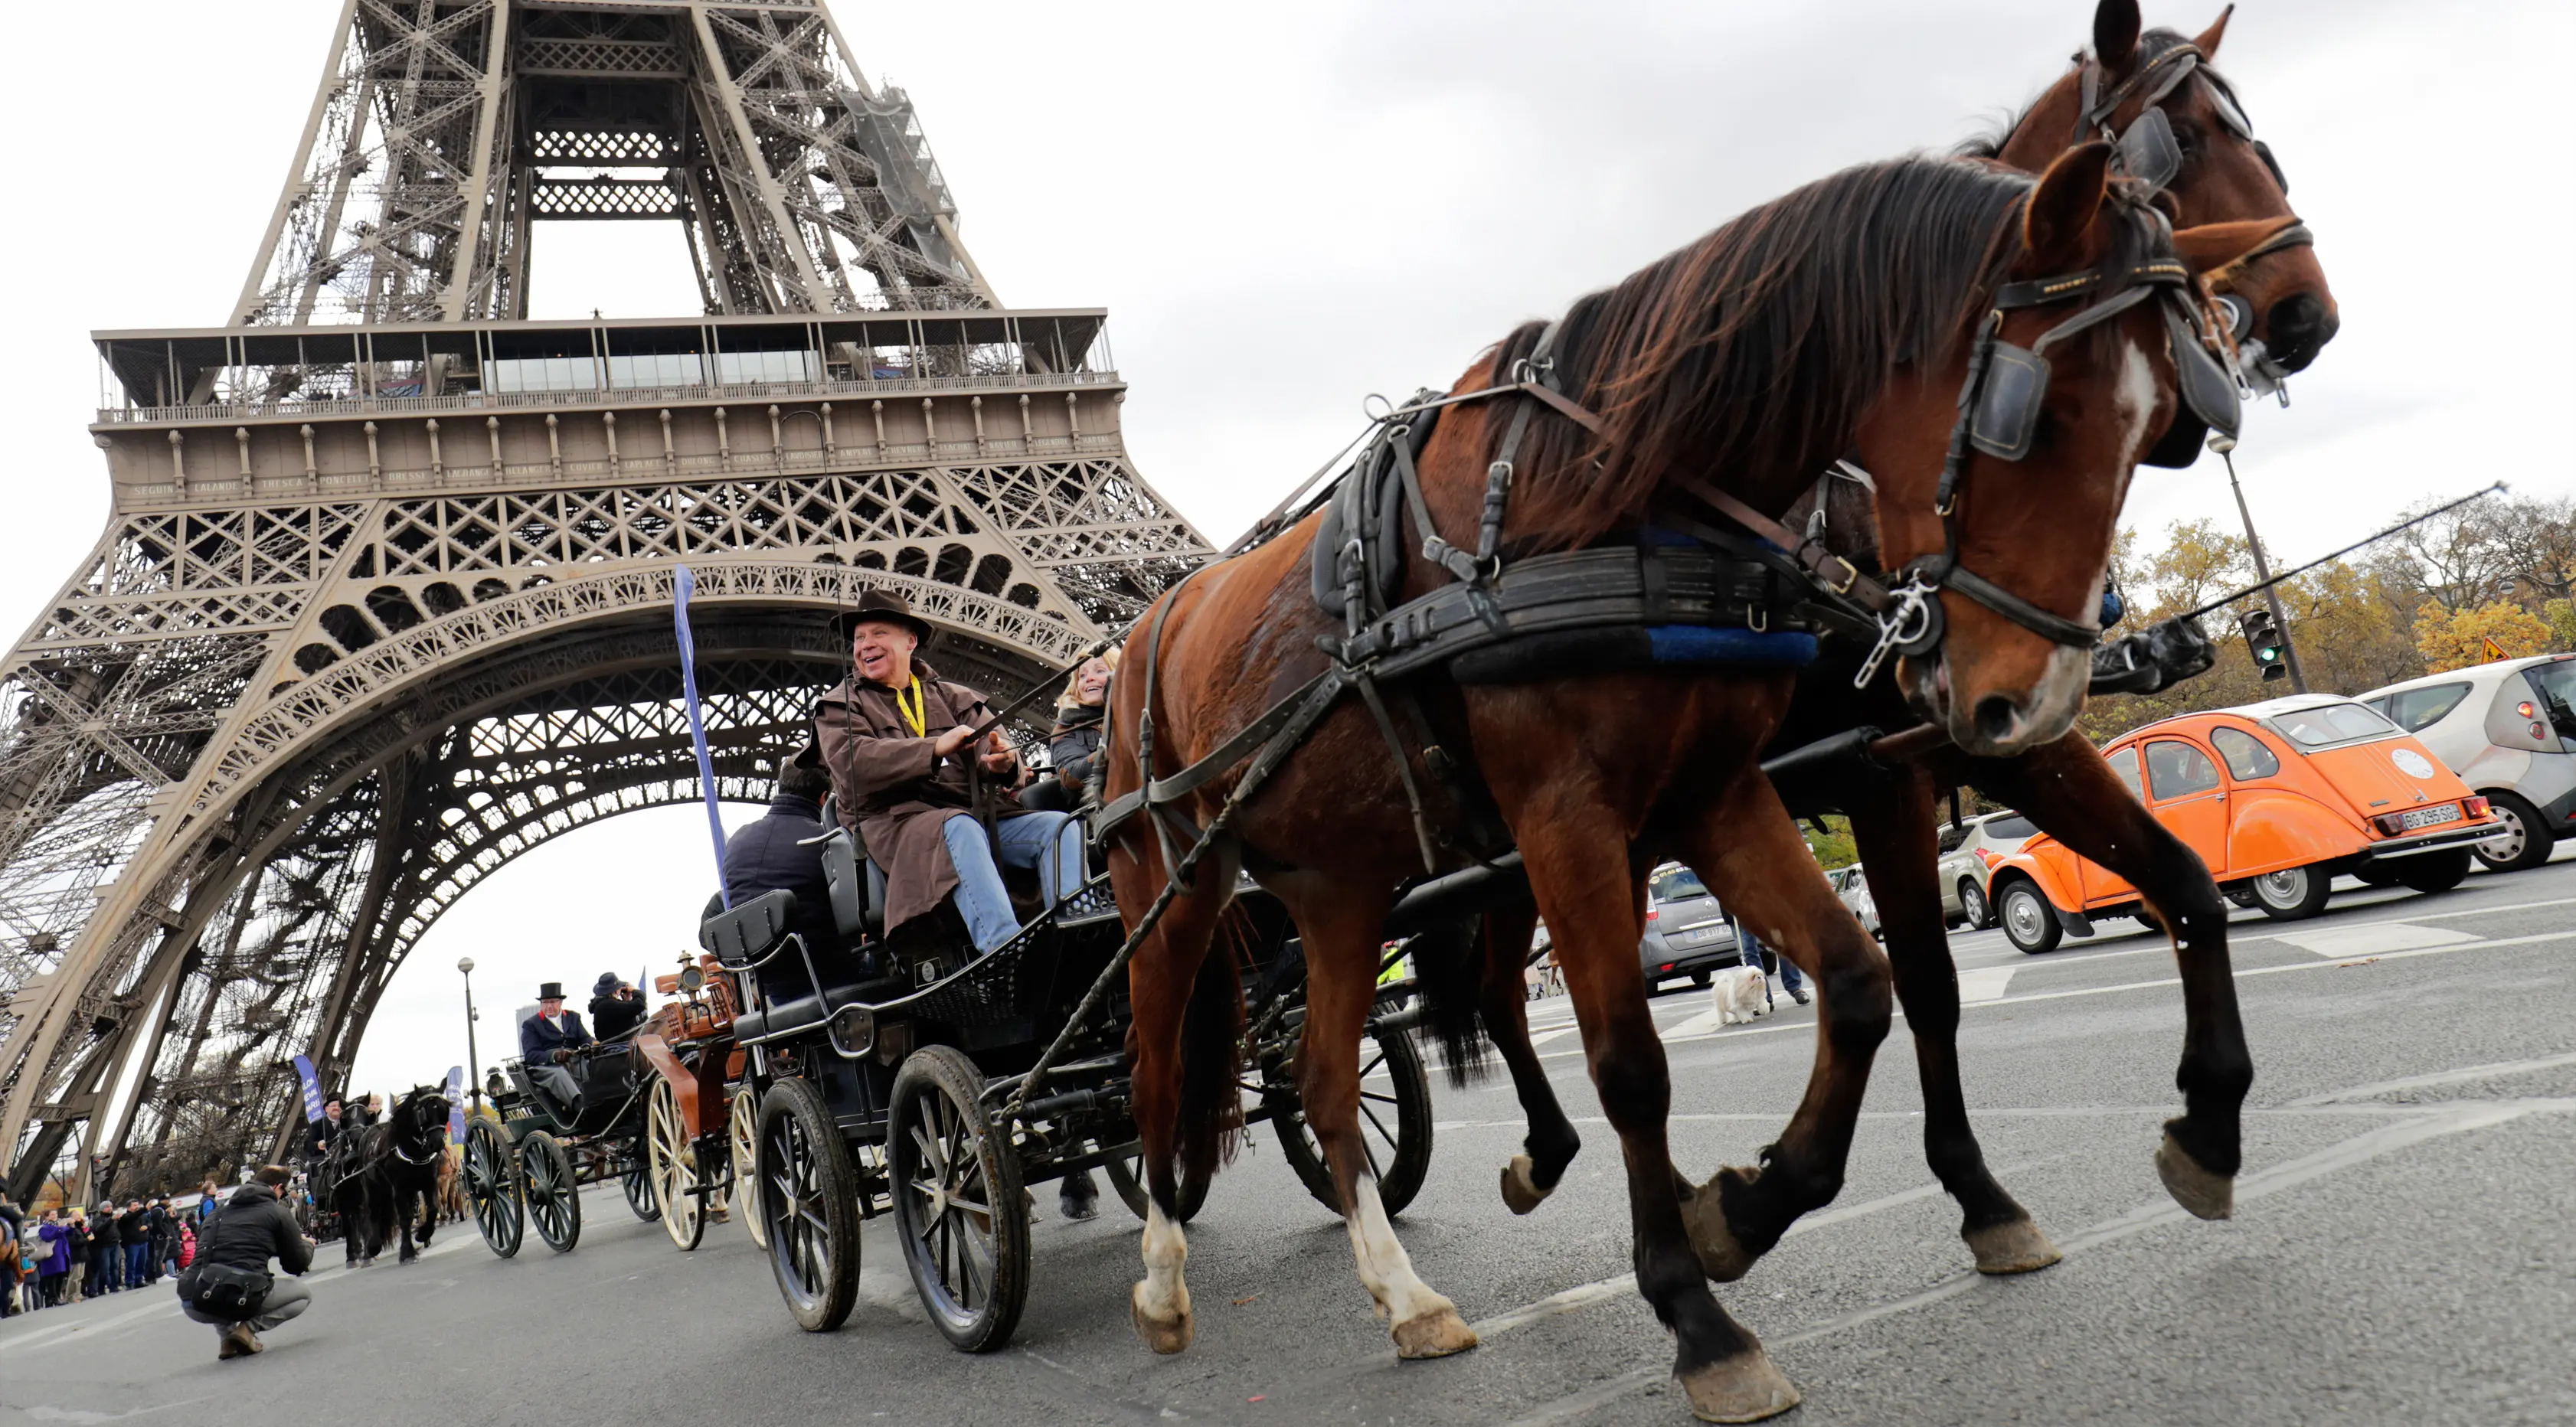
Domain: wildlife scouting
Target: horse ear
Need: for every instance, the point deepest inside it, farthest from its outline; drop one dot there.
(2214, 245)
(2062, 208)
(2209, 38)
(2115, 33)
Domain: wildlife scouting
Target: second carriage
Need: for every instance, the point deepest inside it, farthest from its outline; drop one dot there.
(892, 1077)
(650, 1110)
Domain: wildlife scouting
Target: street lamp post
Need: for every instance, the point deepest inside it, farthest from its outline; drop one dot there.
(473, 1060)
(2262, 567)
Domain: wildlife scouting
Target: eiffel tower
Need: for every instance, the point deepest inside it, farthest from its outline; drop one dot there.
(384, 600)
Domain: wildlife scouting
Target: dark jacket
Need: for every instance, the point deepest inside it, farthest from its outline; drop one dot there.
(103, 1232)
(253, 1228)
(133, 1227)
(766, 856)
(613, 1017)
(1074, 747)
(77, 1234)
(539, 1041)
(318, 1135)
(894, 792)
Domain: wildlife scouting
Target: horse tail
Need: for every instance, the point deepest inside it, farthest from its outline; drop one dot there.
(1449, 970)
(1211, 1111)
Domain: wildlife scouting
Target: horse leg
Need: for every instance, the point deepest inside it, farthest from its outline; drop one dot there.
(429, 1210)
(1893, 823)
(2073, 795)
(1342, 926)
(1551, 1143)
(1161, 977)
(1744, 845)
(1577, 854)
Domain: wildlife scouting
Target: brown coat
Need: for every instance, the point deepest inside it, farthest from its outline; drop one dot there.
(893, 792)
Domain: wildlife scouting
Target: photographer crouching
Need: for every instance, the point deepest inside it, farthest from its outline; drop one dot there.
(229, 1285)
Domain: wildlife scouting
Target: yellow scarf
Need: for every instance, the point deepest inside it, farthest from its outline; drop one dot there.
(915, 714)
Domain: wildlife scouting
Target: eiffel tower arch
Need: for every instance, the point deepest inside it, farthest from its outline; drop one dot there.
(384, 598)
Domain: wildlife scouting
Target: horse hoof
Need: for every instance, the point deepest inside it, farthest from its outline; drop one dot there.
(1165, 1338)
(1744, 1388)
(1433, 1335)
(2014, 1247)
(2206, 1195)
(1720, 1256)
(1521, 1193)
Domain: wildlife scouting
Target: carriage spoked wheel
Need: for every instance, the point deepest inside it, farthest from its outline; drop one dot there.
(742, 1135)
(958, 1205)
(1395, 1123)
(672, 1164)
(805, 1196)
(553, 1194)
(637, 1180)
(1127, 1175)
(492, 1187)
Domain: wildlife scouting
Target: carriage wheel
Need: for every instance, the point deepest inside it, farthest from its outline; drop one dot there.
(1127, 1176)
(492, 1187)
(1395, 1125)
(742, 1133)
(554, 1198)
(959, 1209)
(806, 1197)
(637, 1181)
(673, 1165)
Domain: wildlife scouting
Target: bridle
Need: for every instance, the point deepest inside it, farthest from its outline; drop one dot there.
(2148, 154)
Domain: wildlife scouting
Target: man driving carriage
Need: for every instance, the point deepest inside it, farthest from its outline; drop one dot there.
(894, 737)
(547, 1041)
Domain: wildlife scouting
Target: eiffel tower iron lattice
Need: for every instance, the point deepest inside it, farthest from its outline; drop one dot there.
(384, 598)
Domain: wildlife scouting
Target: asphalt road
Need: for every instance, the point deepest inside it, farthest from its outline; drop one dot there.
(2400, 1252)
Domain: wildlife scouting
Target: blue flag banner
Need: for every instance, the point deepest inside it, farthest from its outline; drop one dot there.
(684, 584)
(312, 1089)
(456, 1104)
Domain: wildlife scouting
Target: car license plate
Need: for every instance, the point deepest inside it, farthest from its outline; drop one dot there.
(2426, 817)
(1701, 935)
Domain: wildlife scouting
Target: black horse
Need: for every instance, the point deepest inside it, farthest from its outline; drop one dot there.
(387, 1177)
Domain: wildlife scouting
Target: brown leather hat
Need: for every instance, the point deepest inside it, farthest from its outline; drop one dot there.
(885, 606)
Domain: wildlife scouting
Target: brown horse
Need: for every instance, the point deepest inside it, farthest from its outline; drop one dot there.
(2228, 184)
(1847, 318)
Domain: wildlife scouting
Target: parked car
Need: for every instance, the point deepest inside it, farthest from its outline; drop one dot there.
(2509, 730)
(1850, 884)
(2277, 798)
(1686, 932)
(1969, 852)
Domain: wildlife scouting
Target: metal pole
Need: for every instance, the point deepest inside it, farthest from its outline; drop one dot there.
(2271, 592)
(473, 1060)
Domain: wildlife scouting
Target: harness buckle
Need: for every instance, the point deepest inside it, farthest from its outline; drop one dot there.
(1909, 622)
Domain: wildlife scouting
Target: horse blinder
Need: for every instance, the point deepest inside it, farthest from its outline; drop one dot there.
(2006, 419)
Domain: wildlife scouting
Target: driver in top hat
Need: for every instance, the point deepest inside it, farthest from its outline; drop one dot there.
(548, 1039)
(895, 738)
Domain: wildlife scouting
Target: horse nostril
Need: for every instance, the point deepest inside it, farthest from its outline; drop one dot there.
(1997, 717)
(2300, 328)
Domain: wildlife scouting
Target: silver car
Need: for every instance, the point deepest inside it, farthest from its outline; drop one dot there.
(1852, 885)
(1968, 857)
(2509, 730)
(1686, 932)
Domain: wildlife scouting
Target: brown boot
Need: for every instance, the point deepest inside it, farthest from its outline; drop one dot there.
(237, 1343)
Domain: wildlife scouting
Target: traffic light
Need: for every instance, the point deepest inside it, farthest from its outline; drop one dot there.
(2263, 640)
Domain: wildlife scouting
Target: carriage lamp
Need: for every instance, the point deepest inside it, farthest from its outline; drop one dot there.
(473, 1060)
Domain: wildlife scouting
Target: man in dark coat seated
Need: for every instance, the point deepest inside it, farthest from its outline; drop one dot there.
(547, 1041)
(615, 1009)
(781, 851)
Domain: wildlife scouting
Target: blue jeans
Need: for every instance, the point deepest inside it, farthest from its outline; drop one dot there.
(1790, 980)
(1049, 842)
(138, 1264)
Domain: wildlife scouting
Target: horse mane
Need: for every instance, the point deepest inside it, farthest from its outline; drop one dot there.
(1753, 353)
(1990, 145)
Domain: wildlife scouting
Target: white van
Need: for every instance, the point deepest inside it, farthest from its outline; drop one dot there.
(2509, 730)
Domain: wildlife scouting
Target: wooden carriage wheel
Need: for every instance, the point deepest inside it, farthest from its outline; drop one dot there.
(958, 1209)
(553, 1196)
(492, 1187)
(1395, 1124)
(637, 1181)
(672, 1164)
(805, 1191)
(742, 1135)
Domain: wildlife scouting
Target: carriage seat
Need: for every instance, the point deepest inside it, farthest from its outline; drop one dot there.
(743, 934)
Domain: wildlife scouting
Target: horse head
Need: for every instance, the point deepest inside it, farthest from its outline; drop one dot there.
(423, 1112)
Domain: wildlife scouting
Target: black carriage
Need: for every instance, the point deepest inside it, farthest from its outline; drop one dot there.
(530, 1163)
(885, 1074)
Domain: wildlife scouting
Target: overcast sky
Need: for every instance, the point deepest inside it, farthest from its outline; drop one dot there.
(1285, 208)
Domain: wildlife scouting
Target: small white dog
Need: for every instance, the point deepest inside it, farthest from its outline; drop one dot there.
(1742, 993)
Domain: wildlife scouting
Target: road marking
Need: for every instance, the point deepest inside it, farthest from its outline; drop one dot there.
(1986, 983)
(2496, 1070)
(2373, 939)
(1543, 1037)
(1700, 1024)
(2289, 1174)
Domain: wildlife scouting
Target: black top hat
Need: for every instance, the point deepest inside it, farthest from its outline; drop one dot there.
(550, 991)
(881, 605)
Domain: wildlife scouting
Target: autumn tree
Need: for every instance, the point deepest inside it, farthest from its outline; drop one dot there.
(2459, 639)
